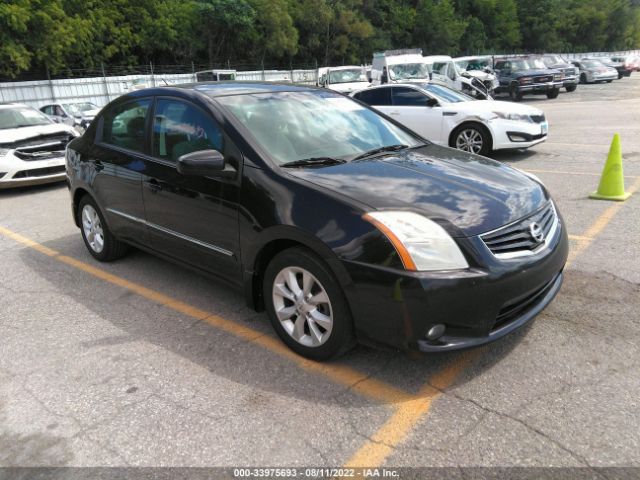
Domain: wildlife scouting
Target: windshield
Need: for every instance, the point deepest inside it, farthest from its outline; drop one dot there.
(445, 94)
(554, 59)
(300, 125)
(21, 117)
(347, 76)
(405, 71)
(592, 64)
(473, 64)
(77, 108)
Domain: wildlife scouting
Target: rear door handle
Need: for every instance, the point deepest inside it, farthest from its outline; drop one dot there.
(154, 185)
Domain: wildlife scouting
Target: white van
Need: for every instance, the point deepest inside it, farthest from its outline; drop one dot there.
(344, 79)
(399, 66)
(215, 75)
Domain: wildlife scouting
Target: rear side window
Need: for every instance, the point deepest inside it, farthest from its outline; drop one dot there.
(180, 128)
(375, 97)
(408, 97)
(123, 125)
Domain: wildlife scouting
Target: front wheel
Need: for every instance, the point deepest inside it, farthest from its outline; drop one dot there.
(514, 93)
(99, 240)
(306, 305)
(553, 93)
(472, 138)
(571, 88)
(609, 81)
(583, 78)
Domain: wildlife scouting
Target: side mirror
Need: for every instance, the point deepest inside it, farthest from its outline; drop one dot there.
(432, 102)
(204, 163)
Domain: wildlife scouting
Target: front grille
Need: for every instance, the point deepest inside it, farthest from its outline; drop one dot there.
(40, 172)
(515, 308)
(43, 147)
(517, 238)
(547, 78)
(538, 118)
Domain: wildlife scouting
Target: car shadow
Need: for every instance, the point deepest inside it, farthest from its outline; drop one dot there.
(223, 354)
(512, 155)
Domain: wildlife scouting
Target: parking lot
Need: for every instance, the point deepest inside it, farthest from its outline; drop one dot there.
(143, 363)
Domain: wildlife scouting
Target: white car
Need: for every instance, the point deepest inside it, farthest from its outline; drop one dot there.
(344, 79)
(32, 147)
(447, 117)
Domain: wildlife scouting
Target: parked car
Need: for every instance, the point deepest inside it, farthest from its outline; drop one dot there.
(215, 75)
(31, 147)
(480, 67)
(79, 115)
(451, 118)
(570, 73)
(443, 70)
(393, 66)
(631, 62)
(594, 71)
(620, 67)
(344, 79)
(520, 76)
(343, 224)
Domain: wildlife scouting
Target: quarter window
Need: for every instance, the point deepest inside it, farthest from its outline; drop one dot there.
(408, 97)
(180, 128)
(123, 125)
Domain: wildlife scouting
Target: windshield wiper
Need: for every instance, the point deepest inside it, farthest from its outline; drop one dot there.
(313, 162)
(387, 148)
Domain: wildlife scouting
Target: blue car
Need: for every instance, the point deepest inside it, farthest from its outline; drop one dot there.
(527, 75)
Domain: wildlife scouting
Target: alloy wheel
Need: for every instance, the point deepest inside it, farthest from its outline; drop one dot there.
(302, 306)
(469, 140)
(92, 228)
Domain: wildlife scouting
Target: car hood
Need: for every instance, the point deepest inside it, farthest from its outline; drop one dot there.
(348, 87)
(12, 135)
(488, 106)
(481, 74)
(467, 194)
(89, 113)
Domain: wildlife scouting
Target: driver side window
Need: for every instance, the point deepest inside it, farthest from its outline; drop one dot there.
(180, 128)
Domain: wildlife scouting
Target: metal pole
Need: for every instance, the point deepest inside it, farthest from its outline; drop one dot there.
(53, 93)
(104, 81)
(193, 72)
(153, 79)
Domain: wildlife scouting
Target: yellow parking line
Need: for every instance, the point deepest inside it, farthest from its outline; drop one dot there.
(565, 172)
(340, 374)
(598, 225)
(382, 443)
(578, 237)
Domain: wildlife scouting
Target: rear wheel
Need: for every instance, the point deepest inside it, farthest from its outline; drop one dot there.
(514, 93)
(472, 138)
(583, 78)
(306, 305)
(99, 240)
(553, 93)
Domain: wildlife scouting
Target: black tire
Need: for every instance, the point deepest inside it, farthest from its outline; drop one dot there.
(571, 88)
(583, 78)
(113, 248)
(341, 337)
(551, 94)
(619, 76)
(514, 93)
(609, 81)
(487, 141)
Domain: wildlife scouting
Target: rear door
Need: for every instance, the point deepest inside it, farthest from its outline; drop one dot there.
(191, 218)
(411, 108)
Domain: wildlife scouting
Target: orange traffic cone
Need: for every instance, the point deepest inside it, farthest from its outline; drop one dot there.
(612, 180)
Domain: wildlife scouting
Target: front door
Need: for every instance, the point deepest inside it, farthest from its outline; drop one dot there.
(192, 218)
(411, 108)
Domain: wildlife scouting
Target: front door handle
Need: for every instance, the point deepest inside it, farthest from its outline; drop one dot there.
(154, 185)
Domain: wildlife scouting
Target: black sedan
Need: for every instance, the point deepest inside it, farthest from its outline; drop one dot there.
(342, 224)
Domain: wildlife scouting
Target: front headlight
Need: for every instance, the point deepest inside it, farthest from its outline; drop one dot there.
(513, 116)
(422, 244)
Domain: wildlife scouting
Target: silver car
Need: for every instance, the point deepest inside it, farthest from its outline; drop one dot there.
(79, 115)
(594, 71)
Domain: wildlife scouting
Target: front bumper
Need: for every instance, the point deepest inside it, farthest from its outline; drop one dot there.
(571, 80)
(15, 172)
(602, 77)
(540, 88)
(477, 306)
(509, 134)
